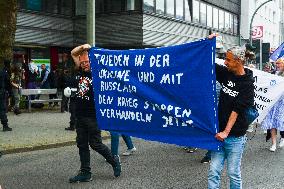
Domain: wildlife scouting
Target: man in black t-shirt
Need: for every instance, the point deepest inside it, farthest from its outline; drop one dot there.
(87, 129)
(237, 94)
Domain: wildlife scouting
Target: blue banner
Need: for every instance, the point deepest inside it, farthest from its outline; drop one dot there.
(278, 53)
(165, 94)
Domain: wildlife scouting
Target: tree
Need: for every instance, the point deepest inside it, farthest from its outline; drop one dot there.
(8, 19)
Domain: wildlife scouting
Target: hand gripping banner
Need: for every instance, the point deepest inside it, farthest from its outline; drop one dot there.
(165, 94)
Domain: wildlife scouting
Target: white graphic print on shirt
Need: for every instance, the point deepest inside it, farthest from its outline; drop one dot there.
(229, 91)
(84, 87)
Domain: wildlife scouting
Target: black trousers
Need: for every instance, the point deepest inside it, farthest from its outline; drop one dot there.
(64, 103)
(88, 134)
(72, 109)
(3, 116)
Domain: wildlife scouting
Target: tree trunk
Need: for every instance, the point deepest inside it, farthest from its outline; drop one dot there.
(8, 19)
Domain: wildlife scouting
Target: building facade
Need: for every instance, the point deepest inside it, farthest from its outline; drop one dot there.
(48, 28)
(153, 23)
(45, 30)
(269, 16)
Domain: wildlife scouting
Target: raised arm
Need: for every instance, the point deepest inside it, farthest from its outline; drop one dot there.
(75, 53)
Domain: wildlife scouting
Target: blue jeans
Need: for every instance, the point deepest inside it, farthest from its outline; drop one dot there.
(232, 151)
(115, 142)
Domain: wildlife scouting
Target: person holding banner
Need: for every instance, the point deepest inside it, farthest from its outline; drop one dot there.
(237, 94)
(88, 132)
(274, 119)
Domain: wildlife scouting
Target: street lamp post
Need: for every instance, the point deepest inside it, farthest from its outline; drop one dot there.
(91, 18)
(251, 20)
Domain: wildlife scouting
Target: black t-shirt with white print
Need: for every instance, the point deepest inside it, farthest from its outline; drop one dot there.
(85, 105)
(237, 94)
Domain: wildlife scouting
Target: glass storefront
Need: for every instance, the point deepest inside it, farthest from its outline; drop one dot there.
(63, 7)
(148, 5)
(160, 7)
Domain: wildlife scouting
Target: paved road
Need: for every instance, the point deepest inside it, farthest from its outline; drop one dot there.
(154, 166)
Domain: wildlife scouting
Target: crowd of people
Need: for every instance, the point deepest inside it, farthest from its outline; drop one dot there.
(233, 124)
(24, 74)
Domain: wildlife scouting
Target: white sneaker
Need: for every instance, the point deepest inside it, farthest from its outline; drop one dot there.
(250, 128)
(281, 143)
(273, 148)
(129, 152)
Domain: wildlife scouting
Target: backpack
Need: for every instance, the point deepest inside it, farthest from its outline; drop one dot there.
(251, 114)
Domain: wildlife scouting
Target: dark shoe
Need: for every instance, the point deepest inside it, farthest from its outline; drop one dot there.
(117, 167)
(70, 129)
(82, 176)
(206, 160)
(7, 129)
(17, 111)
(190, 150)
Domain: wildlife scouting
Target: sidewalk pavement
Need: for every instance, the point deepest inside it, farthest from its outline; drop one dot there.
(37, 130)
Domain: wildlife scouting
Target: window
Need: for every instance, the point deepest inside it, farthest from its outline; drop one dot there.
(195, 10)
(215, 20)
(40, 53)
(187, 16)
(148, 5)
(66, 7)
(133, 5)
(170, 8)
(209, 16)
(116, 6)
(130, 4)
(51, 6)
(179, 9)
(81, 7)
(221, 20)
(231, 21)
(227, 21)
(160, 6)
(235, 25)
(34, 5)
(273, 16)
(21, 4)
(203, 13)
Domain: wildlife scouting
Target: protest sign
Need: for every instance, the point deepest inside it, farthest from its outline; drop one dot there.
(165, 94)
(268, 89)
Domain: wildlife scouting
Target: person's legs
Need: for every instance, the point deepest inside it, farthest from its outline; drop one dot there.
(64, 103)
(128, 142)
(273, 138)
(234, 150)
(3, 116)
(216, 167)
(281, 143)
(82, 143)
(207, 157)
(73, 119)
(17, 101)
(114, 143)
(282, 134)
(96, 144)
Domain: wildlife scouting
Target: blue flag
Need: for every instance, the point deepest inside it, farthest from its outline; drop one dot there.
(165, 94)
(278, 53)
